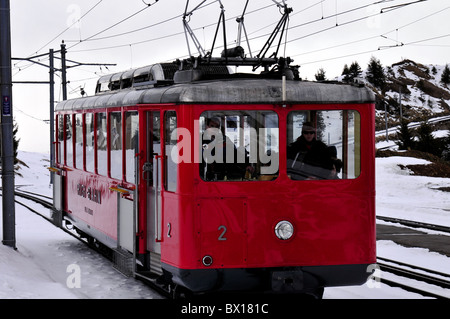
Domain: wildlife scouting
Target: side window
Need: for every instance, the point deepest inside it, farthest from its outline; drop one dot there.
(115, 135)
(239, 146)
(323, 145)
(170, 142)
(69, 140)
(89, 129)
(102, 138)
(131, 144)
(154, 145)
(79, 141)
(60, 135)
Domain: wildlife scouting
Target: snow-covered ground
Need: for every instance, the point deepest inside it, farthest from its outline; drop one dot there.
(50, 264)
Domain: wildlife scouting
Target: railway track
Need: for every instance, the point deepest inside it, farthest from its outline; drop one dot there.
(426, 282)
(425, 277)
(46, 202)
(415, 224)
(38, 198)
(395, 129)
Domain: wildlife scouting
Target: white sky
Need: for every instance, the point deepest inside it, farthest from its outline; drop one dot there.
(313, 42)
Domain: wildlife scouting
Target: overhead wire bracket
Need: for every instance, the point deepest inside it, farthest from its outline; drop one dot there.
(280, 27)
(221, 20)
(241, 27)
(188, 31)
(387, 9)
(236, 55)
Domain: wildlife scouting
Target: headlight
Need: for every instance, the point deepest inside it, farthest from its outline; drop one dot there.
(284, 230)
(207, 260)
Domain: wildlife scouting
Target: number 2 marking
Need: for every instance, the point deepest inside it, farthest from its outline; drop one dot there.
(169, 229)
(221, 237)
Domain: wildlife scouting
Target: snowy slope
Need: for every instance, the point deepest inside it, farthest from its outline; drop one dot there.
(417, 85)
(424, 89)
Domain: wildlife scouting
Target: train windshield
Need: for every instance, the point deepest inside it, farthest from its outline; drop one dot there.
(323, 145)
(239, 145)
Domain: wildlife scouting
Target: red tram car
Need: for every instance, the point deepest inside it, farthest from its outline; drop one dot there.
(186, 176)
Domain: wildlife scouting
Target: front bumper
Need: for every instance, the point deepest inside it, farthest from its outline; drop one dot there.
(279, 280)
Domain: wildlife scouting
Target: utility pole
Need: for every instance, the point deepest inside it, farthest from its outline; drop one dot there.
(63, 71)
(51, 82)
(9, 214)
(52, 111)
(386, 120)
(65, 67)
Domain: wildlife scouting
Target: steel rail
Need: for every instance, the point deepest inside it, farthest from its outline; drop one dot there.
(415, 267)
(405, 273)
(415, 224)
(415, 275)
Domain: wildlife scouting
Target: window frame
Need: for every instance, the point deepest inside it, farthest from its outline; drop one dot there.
(135, 150)
(170, 174)
(76, 142)
(342, 148)
(68, 125)
(103, 146)
(90, 154)
(118, 139)
(237, 122)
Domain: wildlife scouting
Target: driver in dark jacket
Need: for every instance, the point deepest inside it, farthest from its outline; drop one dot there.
(307, 157)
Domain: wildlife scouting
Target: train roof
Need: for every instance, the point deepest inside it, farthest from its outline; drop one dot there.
(230, 91)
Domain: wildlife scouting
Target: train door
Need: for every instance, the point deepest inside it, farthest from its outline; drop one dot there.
(58, 173)
(151, 173)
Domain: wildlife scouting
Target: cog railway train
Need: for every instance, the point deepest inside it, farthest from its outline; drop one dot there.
(183, 170)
